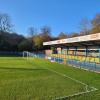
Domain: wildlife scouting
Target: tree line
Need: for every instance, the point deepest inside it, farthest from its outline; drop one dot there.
(11, 41)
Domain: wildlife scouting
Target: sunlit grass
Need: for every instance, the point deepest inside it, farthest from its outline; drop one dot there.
(25, 80)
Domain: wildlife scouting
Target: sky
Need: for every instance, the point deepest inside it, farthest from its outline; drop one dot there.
(60, 15)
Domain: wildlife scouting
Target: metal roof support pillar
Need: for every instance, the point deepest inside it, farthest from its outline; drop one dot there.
(99, 53)
(75, 51)
(86, 51)
(61, 50)
(67, 50)
(51, 47)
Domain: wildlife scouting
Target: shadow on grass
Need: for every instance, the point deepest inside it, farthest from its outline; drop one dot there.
(21, 69)
(10, 55)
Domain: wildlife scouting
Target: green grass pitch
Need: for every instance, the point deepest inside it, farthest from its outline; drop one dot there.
(22, 79)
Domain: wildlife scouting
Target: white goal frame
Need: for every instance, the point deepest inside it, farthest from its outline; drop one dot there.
(29, 54)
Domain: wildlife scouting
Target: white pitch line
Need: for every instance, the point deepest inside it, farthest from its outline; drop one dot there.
(66, 76)
(76, 94)
(84, 69)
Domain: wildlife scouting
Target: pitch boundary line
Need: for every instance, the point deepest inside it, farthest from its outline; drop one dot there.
(84, 69)
(76, 94)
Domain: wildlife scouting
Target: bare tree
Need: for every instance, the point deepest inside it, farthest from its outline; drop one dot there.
(62, 35)
(5, 22)
(85, 26)
(46, 33)
(46, 30)
(96, 24)
(74, 34)
(96, 20)
(32, 31)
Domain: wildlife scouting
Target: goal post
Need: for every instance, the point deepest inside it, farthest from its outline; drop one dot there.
(27, 54)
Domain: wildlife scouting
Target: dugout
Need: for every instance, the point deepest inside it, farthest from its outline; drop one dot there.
(81, 51)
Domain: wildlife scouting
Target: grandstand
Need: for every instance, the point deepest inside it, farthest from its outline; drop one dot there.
(81, 51)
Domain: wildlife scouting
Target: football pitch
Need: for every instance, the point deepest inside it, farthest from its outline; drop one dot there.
(39, 79)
